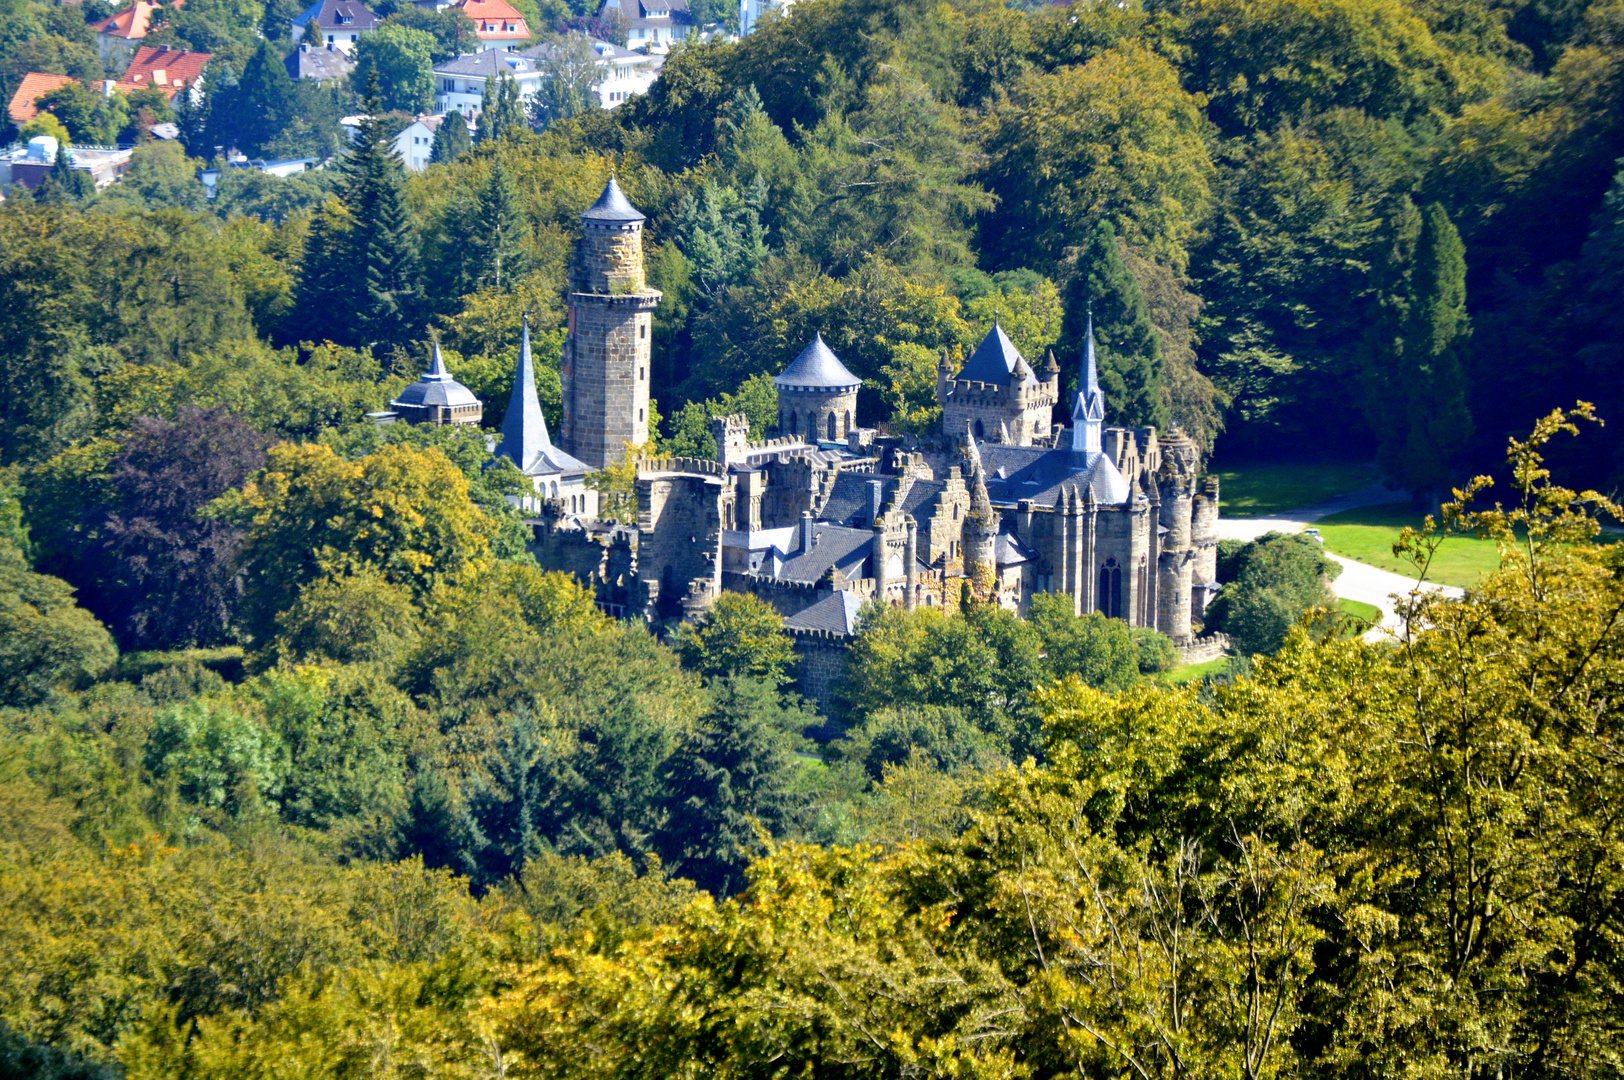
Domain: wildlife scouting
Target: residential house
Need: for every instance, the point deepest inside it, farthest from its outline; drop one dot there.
(416, 141)
(655, 24)
(319, 65)
(340, 23)
(499, 25)
(35, 85)
(459, 85)
(624, 74)
(118, 35)
(170, 70)
(29, 165)
(752, 11)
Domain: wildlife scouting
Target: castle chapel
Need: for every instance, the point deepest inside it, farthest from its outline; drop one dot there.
(1003, 504)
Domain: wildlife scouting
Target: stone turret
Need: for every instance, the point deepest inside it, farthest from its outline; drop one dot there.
(606, 357)
(980, 529)
(1176, 482)
(997, 394)
(817, 395)
(732, 434)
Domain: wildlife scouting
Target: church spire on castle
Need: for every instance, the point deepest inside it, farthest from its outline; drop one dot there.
(525, 439)
(1088, 411)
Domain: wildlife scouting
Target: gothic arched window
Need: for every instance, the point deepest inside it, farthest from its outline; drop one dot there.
(831, 427)
(1110, 598)
(981, 432)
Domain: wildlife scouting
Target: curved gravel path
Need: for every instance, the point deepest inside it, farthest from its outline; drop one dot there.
(1358, 581)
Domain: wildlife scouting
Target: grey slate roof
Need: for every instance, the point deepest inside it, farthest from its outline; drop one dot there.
(1032, 472)
(835, 546)
(331, 15)
(995, 360)
(848, 503)
(436, 387)
(612, 206)
(836, 612)
(1009, 551)
(321, 65)
(817, 368)
(525, 440)
(487, 64)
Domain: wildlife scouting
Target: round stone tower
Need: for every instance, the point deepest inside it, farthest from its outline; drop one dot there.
(980, 535)
(817, 396)
(611, 316)
(1176, 482)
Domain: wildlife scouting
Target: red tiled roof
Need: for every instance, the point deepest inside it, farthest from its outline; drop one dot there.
(33, 86)
(132, 24)
(163, 67)
(495, 20)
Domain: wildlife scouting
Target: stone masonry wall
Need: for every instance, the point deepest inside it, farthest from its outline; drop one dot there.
(820, 664)
(606, 375)
(609, 261)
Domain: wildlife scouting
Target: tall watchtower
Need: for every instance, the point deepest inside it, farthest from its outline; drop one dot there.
(611, 316)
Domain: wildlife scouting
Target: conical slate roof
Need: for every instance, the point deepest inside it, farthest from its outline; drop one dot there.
(995, 359)
(525, 440)
(817, 368)
(436, 387)
(613, 206)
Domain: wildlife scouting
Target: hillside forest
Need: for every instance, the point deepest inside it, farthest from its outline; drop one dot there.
(307, 769)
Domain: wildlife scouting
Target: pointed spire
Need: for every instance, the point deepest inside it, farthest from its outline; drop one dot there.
(437, 366)
(1088, 410)
(524, 429)
(980, 501)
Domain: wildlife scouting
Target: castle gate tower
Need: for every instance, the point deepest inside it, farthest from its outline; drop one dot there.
(611, 316)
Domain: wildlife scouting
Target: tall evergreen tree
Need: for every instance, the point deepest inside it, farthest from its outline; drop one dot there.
(383, 245)
(261, 105)
(1129, 352)
(451, 140)
(501, 114)
(499, 231)
(731, 776)
(327, 275)
(1415, 380)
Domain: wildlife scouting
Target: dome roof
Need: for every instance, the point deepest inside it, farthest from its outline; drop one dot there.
(817, 368)
(613, 206)
(436, 387)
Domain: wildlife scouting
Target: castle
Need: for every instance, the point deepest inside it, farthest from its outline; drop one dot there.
(827, 516)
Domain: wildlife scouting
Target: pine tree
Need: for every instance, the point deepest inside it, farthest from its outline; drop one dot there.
(451, 140)
(1128, 350)
(731, 776)
(501, 115)
(327, 275)
(1415, 381)
(262, 104)
(312, 36)
(499, 231)
(383, 245)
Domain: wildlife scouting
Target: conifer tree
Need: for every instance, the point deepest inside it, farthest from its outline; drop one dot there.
(312, 36)
(1129, 352)
(1415, 381)
(383, 245)
(501, 114)
(262, 104)
(327, 275)
(451, 140)
(499, 230)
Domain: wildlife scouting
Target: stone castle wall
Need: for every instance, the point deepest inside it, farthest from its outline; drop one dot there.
(609, 260)
(820, 664)
(679, 524)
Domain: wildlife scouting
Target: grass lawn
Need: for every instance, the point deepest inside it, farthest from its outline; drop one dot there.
(1369, 613)
(1186, 673)
(1367, 535)
(1263, 490)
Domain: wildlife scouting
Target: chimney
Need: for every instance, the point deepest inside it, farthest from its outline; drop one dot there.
(808, 532)
(876, 499)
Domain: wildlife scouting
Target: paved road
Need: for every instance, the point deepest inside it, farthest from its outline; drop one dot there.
(1358, 581)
